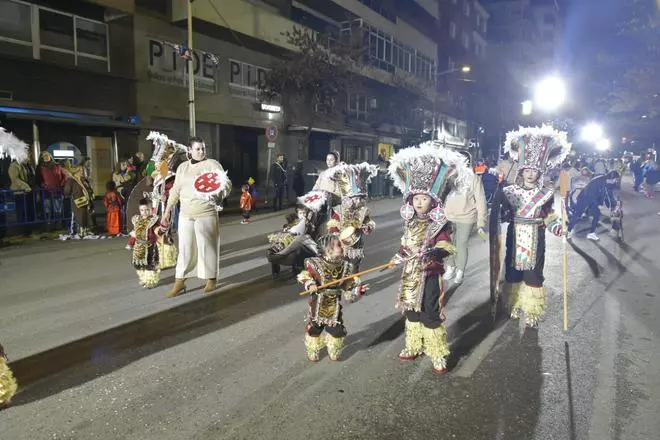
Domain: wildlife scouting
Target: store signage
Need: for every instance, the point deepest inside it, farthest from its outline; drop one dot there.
(246, 75)
(270, 108)
(166, 65)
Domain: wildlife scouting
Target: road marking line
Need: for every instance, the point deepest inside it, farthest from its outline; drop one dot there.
(604, 403)
(470, 365)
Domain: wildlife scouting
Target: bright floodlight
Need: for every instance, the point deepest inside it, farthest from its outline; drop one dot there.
(592, 132)
(550, 93)
(603, 144)
(527, 107)
(466, 69)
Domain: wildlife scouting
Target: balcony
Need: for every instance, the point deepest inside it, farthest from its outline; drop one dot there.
(244, 17)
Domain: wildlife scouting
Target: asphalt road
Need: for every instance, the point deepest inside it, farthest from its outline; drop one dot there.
(232, 365)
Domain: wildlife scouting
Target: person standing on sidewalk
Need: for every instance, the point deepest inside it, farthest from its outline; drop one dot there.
(278, 176)
(198, 219)
(465, 207)
(246, 204)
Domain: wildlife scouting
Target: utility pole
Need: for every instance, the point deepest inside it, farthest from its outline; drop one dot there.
(191, 73)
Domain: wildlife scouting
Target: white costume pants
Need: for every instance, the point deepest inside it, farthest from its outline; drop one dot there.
(198, 247)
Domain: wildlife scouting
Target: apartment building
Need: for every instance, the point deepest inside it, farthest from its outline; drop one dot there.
(66, 80)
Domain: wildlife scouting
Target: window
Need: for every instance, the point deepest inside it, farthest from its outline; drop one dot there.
(466, 40)
(15, 22)
(59, 37)
(452, 30)
(357, 106)
(451, 64)
(466, 8)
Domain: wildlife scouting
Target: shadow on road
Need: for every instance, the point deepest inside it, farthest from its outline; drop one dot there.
(593, 264)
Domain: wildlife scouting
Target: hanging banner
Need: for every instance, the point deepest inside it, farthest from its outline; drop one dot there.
(167, 65)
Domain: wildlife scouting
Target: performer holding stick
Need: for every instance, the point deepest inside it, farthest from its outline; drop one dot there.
(527, 206)
(325, 305)
(425, 175)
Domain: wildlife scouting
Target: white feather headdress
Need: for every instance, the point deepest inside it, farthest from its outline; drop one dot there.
(538, 148)
(353, 179)
(161, 141)
(428, 169)
(12, 147)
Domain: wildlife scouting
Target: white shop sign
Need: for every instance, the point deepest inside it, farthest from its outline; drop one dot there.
(167, 66)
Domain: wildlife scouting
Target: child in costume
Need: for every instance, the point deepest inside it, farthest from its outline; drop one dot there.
(527, 205)
(246, 204)
(112, 202)
(8, 384)
(351, 219)
(143, 241)
(325, 306)
(425, 175)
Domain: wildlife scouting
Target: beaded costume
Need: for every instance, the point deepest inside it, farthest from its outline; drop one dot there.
(144, 242)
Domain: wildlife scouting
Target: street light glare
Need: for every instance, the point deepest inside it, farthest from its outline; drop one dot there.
(592, 132)
(466, 69)
(603, 144)
(527, 107)
(550, 93)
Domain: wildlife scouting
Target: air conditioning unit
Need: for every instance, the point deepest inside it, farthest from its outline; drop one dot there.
(6, 95)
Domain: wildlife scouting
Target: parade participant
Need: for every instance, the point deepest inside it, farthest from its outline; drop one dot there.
(198, 220)
(465, 207)
(78, 188)
(112, 202)
(166, 158)
(143, 241)
(425, 175)
(325, 306)
(351, 219)
(325, 181)
(246, 203)
(8, 384)
(527, 205)
(296, 241)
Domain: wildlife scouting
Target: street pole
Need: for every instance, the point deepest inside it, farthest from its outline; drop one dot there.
(191, 73)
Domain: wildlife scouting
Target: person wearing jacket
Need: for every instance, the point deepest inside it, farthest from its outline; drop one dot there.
(465, 207)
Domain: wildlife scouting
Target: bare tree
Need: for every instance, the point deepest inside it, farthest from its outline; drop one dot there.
(311, 79)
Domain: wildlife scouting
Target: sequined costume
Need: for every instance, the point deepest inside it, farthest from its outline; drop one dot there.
(144, 241)
(8, 383)
(351, 219)
(529, 210)
(325, 307)
(432, 171)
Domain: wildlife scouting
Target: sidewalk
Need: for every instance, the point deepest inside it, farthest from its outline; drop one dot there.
(55, 292)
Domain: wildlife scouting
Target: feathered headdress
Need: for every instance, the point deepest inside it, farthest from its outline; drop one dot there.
(313, 200)
(353, 180)
(429, 169)
(538, 148)
(12, 147)
(161, 142)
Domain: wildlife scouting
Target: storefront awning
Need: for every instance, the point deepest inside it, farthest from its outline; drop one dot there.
(81, 119)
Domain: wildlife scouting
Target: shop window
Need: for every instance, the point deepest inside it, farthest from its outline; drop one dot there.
(56, 30)
(15, 21)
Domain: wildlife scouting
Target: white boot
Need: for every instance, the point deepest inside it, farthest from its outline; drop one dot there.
(459, 277)
(592, 236)
(449, 273)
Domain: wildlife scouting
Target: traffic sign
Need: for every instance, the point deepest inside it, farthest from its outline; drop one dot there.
(271, 133)
(271, 145)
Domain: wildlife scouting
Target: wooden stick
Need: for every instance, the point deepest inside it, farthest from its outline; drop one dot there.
(563, 191)
(341, 280)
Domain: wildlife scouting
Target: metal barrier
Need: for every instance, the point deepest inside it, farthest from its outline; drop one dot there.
(36, 207)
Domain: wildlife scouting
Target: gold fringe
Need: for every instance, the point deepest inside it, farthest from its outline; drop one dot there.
(512, 290)
(335, 346)
(167, 254)
(435, 346)
(8, 384)
(446, 246)
(414, 340)
(149, 278)
(313, 345)
(532, 302)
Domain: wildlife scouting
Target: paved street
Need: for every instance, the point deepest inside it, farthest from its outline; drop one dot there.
(231, 365)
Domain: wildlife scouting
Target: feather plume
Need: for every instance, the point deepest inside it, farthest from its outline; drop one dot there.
(12, 147)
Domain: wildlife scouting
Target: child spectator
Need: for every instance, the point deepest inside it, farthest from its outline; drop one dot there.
(247, 202)
(112, 202)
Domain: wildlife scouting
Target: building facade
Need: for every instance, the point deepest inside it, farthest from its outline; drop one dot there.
(66, 80)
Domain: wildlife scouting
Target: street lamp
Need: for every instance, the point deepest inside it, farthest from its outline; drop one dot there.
(603, 144)
(466, 69)
(550, 93)
(592, 132)
(527, 107)
(463, 69)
